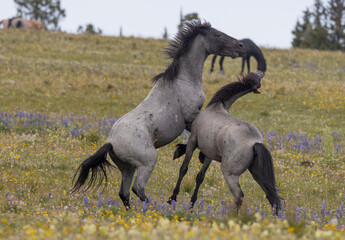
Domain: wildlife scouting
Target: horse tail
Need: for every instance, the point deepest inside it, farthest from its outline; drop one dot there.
(263, 173)
(181, 150)
(97, 163)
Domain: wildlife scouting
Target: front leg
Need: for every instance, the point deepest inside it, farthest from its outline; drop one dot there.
(191, 146)
(200, 178)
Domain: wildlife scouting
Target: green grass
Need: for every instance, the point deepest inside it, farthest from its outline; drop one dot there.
(57, 74)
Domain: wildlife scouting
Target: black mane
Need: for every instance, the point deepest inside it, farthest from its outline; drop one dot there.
(246, 82)
(180, 45)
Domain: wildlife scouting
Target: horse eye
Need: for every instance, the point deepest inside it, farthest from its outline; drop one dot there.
(217, 35)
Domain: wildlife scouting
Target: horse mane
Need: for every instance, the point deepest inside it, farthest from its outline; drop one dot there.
(180, 45)
(245, 82)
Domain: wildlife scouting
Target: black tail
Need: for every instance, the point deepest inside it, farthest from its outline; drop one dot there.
(97, 163)
(181, 150)
(263, 172)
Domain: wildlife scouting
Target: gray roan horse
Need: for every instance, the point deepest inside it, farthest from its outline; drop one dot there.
(173, 103)
(236, 144)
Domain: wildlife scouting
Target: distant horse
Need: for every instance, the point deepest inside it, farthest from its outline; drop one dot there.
(236, 144)
(22, 23)
(250, 49)
(174, 102)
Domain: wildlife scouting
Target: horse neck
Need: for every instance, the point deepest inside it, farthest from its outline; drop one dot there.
(259, 57)
(228, 103)
(192, 63)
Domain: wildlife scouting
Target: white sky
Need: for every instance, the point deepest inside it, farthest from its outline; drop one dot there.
(267, 22)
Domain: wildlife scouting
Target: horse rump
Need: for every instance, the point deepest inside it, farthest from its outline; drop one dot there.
(98, 164)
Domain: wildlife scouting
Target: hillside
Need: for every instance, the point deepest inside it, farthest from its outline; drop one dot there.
(61, 93)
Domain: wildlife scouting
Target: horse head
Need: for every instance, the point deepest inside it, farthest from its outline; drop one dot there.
(222, 44)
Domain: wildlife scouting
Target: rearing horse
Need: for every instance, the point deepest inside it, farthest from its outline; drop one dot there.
(174, 102)
(236, 144)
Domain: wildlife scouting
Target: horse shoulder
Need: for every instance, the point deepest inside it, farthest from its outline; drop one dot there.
(191, 99)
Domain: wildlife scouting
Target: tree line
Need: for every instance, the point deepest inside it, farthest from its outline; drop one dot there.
(322, 27)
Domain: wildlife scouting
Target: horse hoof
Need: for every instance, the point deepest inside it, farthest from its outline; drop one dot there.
(170, 200)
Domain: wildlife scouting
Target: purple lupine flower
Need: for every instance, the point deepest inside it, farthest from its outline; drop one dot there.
(263, 215)
(298, 214)
(7, 194)
(280, 214)
(323, 209)
(202, 204)
(338, 214)
(99, 203)
(173, 204)
(222, 208)
(144, 207)
(208, 211)
(315, 216)
(184, 206)
(50, 195)
(86, 202)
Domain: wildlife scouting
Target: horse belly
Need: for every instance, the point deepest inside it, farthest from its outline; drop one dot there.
(207, 145)
(167, 130)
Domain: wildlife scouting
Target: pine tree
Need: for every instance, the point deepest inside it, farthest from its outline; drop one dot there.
(47, 11)
(187, 17)
(319, 33)
(336, 12)
(302, 30)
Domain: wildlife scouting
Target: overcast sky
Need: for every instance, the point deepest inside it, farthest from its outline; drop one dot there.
(267, 22)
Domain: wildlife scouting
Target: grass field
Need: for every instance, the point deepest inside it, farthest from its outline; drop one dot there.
(60, 95)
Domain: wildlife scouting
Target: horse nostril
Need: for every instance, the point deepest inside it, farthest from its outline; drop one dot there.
(240, 45)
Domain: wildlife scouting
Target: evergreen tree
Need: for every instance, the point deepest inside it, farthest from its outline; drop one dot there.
(302, 30)
(89, 29)
(47, 11)
(322, 28)
(187, 17)
(336, 12)
(319, 34)
(165, 34)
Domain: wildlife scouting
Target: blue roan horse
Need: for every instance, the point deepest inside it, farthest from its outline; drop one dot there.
(173, 103)
(236, 144)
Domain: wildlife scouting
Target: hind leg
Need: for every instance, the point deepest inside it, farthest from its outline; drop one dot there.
(200, 178)
(232, 166)
(144, 171)
(235, 188)
(127, 177)
(127, 172)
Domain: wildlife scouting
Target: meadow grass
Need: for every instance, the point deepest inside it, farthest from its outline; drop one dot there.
(61, 93)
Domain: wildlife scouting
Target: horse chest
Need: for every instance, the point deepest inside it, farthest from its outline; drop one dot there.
(191, 104)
